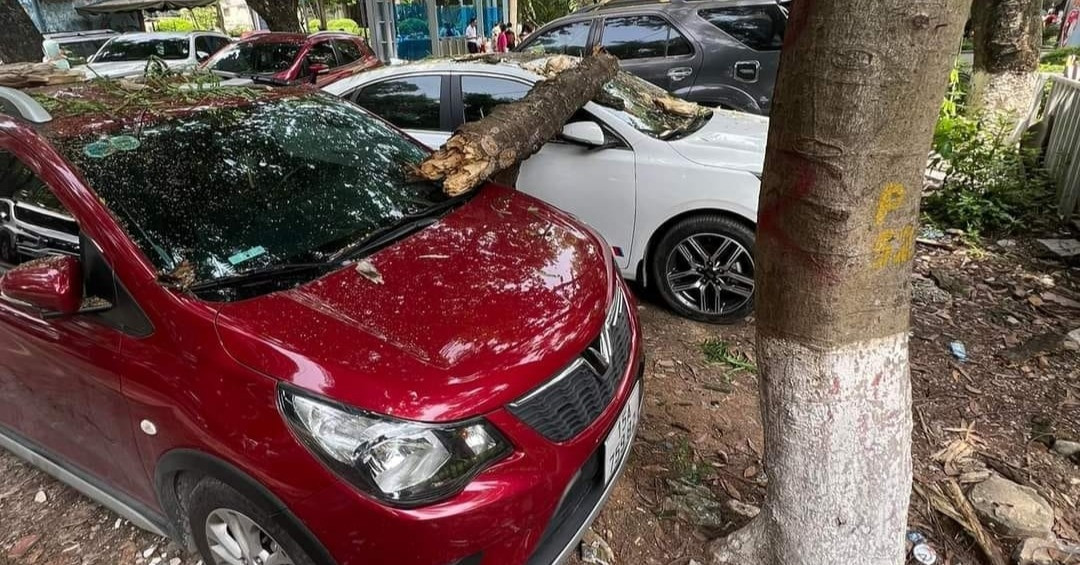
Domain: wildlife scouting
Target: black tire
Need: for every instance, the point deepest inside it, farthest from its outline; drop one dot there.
(705, 228)
(8, 253)
(211, 495)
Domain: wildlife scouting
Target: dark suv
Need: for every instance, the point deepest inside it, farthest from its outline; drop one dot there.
(714, 52)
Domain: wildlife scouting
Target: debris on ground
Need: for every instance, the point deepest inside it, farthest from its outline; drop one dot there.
(694, 504)
(959, 350)
(1063, 248)
(1033, 347)
(1042, 551)
(1012, 510)
(594, 550)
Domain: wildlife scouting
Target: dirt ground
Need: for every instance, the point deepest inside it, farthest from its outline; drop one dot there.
(1018, 388)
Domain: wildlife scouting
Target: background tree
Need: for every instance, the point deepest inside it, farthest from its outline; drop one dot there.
(20, 41)
(540, 12)
(1008, 38)
(280, 15)
(859, 89)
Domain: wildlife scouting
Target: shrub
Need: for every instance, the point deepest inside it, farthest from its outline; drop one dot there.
(990, 185)
(412, 27)
(238, 31)
(337, 24)
(1054, 61)
(174, 24)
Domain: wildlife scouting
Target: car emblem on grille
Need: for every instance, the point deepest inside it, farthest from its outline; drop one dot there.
(598, 354)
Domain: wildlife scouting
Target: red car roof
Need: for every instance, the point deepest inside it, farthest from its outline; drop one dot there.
(296, 38)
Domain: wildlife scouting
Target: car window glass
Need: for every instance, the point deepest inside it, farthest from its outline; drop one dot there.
(408, 103)
(217, 44)
(141, 48)
(481, 94)
(262, 58)
(322, 53)
(348, 51)
(570, 39)
(643, 37)
(202, 43)
(41, 225)
(758, 27)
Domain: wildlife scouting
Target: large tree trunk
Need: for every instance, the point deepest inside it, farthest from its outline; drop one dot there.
(513, 132)
(1008, 38)
(859, 89)
(280, 15)
(20, 41)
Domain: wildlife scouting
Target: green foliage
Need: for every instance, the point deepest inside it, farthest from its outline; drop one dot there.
(337, 24)
(540, 12)
(990, 185)
(174, 24)
(204, 18)
(412, 27)
(717, 351)
(1051, 35)
(238, 31)
(1054, 61)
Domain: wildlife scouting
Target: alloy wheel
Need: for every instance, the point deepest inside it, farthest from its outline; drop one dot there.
(710, 273)
(235, 539)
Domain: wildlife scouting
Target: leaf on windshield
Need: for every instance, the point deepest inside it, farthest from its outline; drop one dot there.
(367, 270)
(677, 106)
(183, 276)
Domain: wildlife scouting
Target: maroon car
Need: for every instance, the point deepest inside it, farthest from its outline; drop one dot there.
(286, 58)
(276, 345)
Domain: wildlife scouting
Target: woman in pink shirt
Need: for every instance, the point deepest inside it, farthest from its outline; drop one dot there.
(500, 46)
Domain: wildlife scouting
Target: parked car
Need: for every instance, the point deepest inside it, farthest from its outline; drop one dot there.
(128, 54)
(81, 45)
(279, 346)
(721, 53)
(286, 58)
(675, 196)
(30, 228)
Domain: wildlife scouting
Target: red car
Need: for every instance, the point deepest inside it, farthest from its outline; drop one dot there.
(277, 346)
(287, 58)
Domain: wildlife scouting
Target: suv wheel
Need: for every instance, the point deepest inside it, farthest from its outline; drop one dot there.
(231, 530)
(703, 269)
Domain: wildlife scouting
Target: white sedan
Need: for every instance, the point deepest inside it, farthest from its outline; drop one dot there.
(675, 195)
(127, 54)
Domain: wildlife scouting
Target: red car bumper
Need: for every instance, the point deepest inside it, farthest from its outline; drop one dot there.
(532, 507)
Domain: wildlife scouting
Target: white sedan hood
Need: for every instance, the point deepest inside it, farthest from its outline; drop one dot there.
(732, 140)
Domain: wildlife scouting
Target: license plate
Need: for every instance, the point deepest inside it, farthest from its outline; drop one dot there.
(618, 440)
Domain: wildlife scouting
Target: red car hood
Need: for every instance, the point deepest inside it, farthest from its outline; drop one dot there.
(472, 312)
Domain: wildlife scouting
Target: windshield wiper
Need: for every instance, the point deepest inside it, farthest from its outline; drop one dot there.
(265, 274)
(407, 224)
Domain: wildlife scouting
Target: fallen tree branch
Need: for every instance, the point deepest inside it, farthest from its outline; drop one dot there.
(513, 132)
(955, 505)
(26, 75)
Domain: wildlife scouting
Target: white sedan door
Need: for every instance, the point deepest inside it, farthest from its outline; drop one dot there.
(598, 185)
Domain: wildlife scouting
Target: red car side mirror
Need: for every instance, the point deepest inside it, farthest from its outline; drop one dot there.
(53, 285)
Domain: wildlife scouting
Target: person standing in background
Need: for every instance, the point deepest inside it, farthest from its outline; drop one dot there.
(511, 37)
(526, 30)
(500, 41)
(472, 39)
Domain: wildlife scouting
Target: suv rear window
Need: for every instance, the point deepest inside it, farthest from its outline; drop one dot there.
(643, 37)
(760, 28)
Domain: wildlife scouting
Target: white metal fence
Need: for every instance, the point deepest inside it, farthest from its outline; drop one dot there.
(1062, 116)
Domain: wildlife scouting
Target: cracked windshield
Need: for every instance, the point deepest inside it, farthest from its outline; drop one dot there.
(273, 183)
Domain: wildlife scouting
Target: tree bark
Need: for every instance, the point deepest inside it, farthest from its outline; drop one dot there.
(280, 15)
(1008, 39)
(20, 41)
(515, 131)
(858, 93)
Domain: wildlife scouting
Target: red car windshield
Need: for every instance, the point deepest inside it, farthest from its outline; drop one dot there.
(255, 58)
(225, 191)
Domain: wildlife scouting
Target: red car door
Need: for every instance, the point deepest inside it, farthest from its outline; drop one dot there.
(62, 373)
